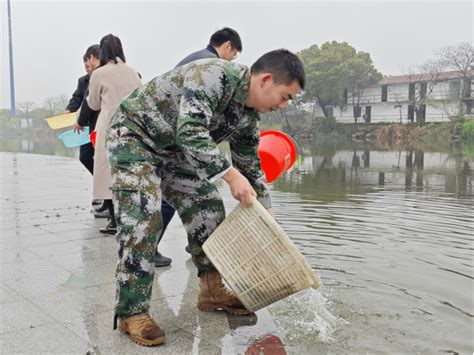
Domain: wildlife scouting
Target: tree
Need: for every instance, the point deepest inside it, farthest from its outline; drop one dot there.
(54, 105)
(333, 68)
(61, 102)
(49, 104)
(459, 58)
(360, 73)
(422, 80)
(25, 110)
(6, 119)
(398, 103)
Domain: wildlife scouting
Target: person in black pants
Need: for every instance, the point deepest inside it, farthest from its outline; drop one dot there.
(224, 44)
(91, 61)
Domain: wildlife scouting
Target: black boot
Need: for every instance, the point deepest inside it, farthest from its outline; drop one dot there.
(102, 208)
(103, 211)
(112, 226)
(161, 260)
(110, 229)
(102, 214)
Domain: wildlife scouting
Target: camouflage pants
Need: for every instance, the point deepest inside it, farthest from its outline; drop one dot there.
(140, 177)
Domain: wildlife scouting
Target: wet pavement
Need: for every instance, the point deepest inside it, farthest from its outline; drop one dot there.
(57, 274)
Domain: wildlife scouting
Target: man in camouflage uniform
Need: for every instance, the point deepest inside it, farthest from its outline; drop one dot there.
(224, 44)
(162, 142)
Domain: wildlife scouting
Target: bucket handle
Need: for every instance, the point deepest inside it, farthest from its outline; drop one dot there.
(298, 160)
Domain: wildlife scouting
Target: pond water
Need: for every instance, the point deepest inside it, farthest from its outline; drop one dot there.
(389, 233)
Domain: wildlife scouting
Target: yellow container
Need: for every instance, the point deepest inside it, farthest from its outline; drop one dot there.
(62, 121)
(257, 259)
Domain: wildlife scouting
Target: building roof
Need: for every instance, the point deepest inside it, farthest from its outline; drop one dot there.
(399, 79)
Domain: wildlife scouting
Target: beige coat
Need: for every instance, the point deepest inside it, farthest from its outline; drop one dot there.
(107, 88)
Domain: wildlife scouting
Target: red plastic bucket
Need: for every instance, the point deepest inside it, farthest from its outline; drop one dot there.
(277, 152)
(92, 138)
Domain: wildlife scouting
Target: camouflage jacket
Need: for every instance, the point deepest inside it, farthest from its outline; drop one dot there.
(193, 108)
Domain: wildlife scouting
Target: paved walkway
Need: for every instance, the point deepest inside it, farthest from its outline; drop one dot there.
(57, 274)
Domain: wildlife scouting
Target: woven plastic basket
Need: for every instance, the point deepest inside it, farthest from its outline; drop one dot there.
(257, 259)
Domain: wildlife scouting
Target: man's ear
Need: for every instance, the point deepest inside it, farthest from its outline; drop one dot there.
(265, 78)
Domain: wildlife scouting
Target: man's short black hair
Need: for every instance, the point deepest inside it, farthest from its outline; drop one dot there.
(285, 67)
(110, 49)
(93, 50)
(224, 35)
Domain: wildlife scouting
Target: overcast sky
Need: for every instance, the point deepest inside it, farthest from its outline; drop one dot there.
(50, 37)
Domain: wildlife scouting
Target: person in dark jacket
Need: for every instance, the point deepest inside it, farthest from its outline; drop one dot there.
(91, 61)
(224, 44)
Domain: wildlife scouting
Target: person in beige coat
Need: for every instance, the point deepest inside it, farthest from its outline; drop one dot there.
(109, 85)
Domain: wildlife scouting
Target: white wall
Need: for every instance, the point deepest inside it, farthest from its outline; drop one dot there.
(397, 94)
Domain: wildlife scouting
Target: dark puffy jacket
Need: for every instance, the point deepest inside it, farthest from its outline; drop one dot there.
(208, 52)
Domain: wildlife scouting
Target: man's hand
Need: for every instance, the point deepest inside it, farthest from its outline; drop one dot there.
(78, 128)
(240, 187)
(67, 111)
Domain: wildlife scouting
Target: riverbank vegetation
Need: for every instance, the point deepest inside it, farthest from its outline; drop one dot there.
(302, 127)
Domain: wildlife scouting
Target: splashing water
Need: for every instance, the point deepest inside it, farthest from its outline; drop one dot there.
(303, 315)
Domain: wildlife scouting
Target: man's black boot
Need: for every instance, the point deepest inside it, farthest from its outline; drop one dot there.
(110, 229)
(161, 260)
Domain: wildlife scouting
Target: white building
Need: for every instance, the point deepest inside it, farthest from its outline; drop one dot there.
(389, 99)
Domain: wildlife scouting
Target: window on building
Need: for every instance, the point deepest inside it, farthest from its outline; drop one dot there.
(357, 110)
(384, 93)
(411, 91)
(422, 113)
(411, 113)
(468, 89)
(454, 88)
(469, 107)
(423, 90)
(344, 96)
(368, 114)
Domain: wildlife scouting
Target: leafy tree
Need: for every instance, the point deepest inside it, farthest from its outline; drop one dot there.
(6, 119)
(334, 68)
(359, 74)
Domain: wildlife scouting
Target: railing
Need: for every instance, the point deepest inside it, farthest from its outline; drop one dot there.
(403, 98)
(393, 119)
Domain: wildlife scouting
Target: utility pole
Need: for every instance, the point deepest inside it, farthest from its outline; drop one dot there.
(12, 78)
